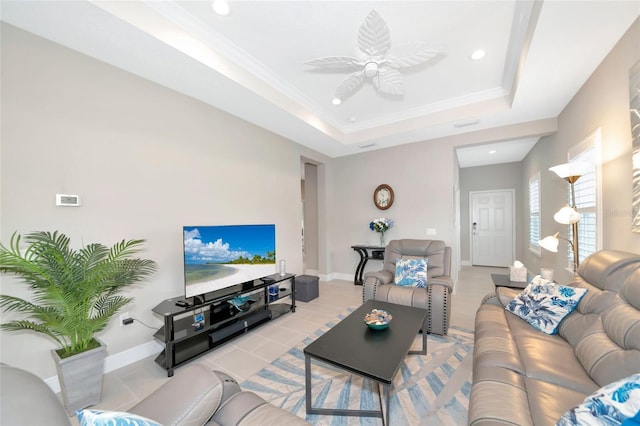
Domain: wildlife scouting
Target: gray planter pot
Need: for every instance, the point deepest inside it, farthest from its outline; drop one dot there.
(80, 378)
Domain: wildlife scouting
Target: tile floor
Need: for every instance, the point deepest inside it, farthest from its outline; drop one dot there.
(245, 355)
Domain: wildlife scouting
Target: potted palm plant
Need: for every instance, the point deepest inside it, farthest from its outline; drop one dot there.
(75, 294)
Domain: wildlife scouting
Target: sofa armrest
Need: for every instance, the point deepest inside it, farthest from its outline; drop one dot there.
(506, 294)
(269, 414)
(439, 295)
(191, 397)
(371, 282)
(383, 276)
(491, 299)
(442, 280)
(27, 400)
(248, 409)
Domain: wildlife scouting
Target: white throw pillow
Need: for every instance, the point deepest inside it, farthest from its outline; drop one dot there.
(112, 418)
(610, 405)
(544, 304)
(411, 272)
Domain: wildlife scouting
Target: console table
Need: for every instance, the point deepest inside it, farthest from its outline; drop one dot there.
(366, 253)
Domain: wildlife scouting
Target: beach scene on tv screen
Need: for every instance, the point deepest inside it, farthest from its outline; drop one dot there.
(216, 257)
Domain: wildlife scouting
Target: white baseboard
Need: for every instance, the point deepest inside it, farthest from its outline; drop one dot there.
(330, 277)
(119, 360)
(466, 263)
(338, 276)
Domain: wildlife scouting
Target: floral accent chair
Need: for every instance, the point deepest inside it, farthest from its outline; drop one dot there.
(435, 296)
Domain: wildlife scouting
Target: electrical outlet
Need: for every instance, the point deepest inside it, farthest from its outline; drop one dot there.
(430, 231)
(123, 317)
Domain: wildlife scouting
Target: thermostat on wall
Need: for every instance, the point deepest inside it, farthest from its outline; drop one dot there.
(67, 200)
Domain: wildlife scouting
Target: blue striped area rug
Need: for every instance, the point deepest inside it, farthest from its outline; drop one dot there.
(430, 389)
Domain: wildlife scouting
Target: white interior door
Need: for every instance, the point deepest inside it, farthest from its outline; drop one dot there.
(492, 227)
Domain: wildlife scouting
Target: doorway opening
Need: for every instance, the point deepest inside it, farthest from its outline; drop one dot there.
(310, 234)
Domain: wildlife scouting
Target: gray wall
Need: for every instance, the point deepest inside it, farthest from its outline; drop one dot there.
(145, 160)
(484, 178)
(602, 102)
(422, 178)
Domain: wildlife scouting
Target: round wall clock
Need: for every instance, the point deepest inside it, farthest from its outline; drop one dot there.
(383, 196)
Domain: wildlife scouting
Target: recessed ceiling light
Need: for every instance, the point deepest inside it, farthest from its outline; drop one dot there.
(465, 123)
(367, 145)
(493, 151)
(336, 101)
(352, 119)
(221, 7)
(478, 54)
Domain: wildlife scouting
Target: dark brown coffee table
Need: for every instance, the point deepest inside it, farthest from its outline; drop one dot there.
(373, 354)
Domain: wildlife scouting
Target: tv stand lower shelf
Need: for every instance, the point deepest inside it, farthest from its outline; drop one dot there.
(192, 330)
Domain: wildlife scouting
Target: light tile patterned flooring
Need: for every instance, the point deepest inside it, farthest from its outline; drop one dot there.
(244, 356)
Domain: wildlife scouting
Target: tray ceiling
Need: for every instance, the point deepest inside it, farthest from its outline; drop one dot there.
(251, 62)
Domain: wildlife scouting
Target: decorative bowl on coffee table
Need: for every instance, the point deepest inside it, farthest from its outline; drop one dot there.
(378, 319)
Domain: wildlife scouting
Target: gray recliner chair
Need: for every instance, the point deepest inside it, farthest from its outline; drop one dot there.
(196, 395)
(436, 297)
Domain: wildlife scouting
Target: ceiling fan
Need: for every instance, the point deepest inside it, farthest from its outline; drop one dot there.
(376, 62)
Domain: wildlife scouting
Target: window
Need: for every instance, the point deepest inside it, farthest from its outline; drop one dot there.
(587, 193)
(534, 213)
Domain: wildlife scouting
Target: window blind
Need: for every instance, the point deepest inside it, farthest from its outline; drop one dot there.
(534, 212)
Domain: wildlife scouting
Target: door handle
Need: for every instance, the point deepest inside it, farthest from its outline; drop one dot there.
(474, 227)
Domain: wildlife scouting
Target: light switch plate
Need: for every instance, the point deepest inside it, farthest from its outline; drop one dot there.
(67, 200)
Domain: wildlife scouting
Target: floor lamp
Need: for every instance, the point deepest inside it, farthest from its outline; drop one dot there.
(567, 215)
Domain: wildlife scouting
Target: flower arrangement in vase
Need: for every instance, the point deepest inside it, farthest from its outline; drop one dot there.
(381, 226)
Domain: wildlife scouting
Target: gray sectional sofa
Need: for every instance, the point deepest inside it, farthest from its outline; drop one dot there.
(196, 395)
(522, 376)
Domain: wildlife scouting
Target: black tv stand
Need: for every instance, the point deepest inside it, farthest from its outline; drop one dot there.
(185, 338)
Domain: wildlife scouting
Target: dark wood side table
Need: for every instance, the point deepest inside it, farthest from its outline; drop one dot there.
(366, 253)
(502, 280)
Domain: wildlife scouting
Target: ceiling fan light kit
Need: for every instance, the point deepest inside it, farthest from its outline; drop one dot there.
(221, 7)
(377, 63)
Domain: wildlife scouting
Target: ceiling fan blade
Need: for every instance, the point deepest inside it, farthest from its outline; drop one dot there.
(389, 81)
(349, 85)
(422, 54)
(373, 37)
(338, 63)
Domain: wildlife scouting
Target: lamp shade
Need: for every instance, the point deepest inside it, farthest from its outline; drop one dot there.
(567, 215)
(550, 243)
(575, 168)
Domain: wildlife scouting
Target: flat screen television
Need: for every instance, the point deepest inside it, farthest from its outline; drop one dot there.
(221, 257)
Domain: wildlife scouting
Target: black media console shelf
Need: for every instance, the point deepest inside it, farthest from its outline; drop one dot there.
(197, 325)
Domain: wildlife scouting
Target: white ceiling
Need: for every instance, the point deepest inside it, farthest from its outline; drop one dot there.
(251, 63)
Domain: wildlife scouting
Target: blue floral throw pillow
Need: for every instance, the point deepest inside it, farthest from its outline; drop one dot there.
(112, 418)
(411, 272)
(614, 404)
(544, 304)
